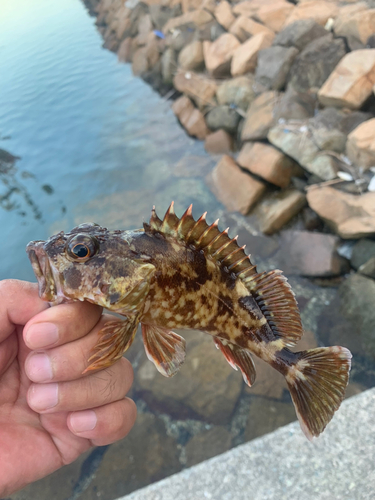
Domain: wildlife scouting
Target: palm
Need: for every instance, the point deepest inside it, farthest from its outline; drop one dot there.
(25, 434)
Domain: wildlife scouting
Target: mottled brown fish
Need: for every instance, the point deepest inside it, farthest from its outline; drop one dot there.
(182, 273)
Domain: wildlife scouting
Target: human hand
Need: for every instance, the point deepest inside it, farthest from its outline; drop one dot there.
(49, 412)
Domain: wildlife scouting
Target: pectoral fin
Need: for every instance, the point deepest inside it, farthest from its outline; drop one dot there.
(114, 339)
(238, 358)
(164, 348)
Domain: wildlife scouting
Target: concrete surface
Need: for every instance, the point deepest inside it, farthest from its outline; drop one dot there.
(340, 465)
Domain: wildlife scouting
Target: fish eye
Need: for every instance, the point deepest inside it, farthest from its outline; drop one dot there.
(82, 247)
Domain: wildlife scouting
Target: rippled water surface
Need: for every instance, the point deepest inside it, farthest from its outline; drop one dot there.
(95, 142)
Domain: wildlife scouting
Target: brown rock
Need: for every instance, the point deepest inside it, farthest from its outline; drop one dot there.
(350, 216)
(199, 87)
(237, 92)
(273, 66)
(248, 8)
(207, 444)
(244, 28)
(198, 17)
(160, 14)
(315, 63)
(351, 82)
(268, 381)
(144, 29)
(140, 62)
(191, 57)
(125, 50)
(189, 5)
(279, 208)
(219, 142)
(306, 253)
(359, 25)
(205, 387)
(236, 190)
(168, 65)
(275, 14)
(260, 116)
(360, 147)
(319, 10)
(246, 55)
(124, 22)
(190, 117)
(299, 34)
(223, 14)
(295, 105)
(180, 37)
(267, 162)
(218, 54)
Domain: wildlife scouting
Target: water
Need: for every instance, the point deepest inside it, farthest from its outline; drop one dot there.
(95, 142)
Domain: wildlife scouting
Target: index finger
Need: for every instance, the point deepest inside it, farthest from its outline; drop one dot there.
(19, 302)
(61, 324)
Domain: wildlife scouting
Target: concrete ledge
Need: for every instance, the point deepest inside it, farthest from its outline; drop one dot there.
(284, 465)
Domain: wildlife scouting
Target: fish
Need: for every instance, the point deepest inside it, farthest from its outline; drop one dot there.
(178, 272)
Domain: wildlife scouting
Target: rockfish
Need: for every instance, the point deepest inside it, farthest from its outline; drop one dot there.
(183, 273)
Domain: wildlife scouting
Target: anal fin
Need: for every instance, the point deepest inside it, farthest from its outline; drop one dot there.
(164, 348)
(238, 358)
(114, 339)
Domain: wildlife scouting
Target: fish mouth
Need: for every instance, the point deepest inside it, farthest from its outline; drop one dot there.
(42, 269)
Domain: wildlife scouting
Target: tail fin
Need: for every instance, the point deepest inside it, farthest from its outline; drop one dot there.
(317, 385)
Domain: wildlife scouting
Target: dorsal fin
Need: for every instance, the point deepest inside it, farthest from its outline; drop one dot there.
(277, 302)
(202, 236)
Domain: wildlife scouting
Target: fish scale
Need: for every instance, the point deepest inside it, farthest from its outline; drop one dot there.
(185, 273)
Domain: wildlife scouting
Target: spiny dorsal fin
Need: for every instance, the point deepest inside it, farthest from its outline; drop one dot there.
(278, 304)
(210, 239)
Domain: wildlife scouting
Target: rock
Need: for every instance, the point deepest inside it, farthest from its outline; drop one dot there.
(248, 8)
(246, 55)
(260, 116)
(325, 166)
(318, 10)
(237, 92)
(268, 382)
(197, 17)
(362, 252)
(168, 65)
(351, 82)
(306, 253)
(131, 466)
(219, 142)
(236, 190)
(218, 54)
(206, 387)
(189, 5)
(351, 120)
(350, 216)
(199, 87)
(360, 147)
(190, 117)
(327, 131)
(358, 25)
(207, 444)
(267, 415)
(275, 14)
(273, 66)
(191, 57)
(223, 117)
(223, 14)
(314, 64)
(350, 318)
(244, 28)
(267, 162)
(140, 62)
(299, 34)
(180, 38)
(140, 10)
(280, 208)
(210, 31)
(294, 105)
(368, 268)
(160, 14)
(144, 29)
(125, 50)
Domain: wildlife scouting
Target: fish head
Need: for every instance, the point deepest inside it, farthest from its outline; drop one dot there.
(91, 263)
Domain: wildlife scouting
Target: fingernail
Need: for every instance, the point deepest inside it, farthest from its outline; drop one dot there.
(82, 421)
(43, 397)
(41, 335)
(38, 367)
